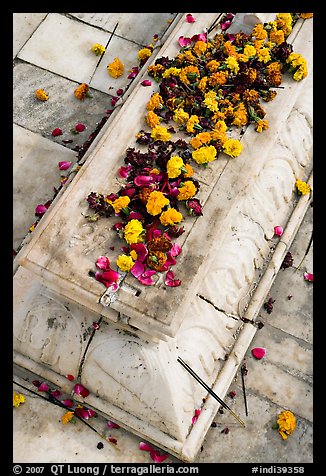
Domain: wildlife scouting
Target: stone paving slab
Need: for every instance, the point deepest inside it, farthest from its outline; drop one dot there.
(24, 24)
(62, 109)
(63, 45)
(136, 27)
(35, 174)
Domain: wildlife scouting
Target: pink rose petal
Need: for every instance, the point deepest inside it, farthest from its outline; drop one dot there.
(145, 447)
(109, 278)
(309, 277)
(103, 263)
(170, 281)
(40, 210)
(79, 389)
(111, 424)
(119, 92)
(184, 41)
(146, 82)
(64, 165)
(278, 230)
(195, 417)
(199, 37)
(157, 457)
(43, 387)
(190, 18)
(68, 403)
(258, 352)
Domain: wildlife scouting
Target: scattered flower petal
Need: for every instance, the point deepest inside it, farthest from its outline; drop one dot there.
(111, 424)
(68, 403)
(170, 281)
(55, 393)
(119, 92)
(309, 277)
(80, 127)
(96, 326)
(103, 263)
(184, 41)
(195, 417)
(79, 389)
(190, 18)
(43, 387)
(157, 457)
(278, 230)
(146, 82)
(258, 352)
(57, 132)
(40, 210)
(113, 440)
(145, 446)
(64, 165)
(70, 377)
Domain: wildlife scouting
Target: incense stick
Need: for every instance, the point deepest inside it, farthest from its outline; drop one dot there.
(209, 390)
(244, 390)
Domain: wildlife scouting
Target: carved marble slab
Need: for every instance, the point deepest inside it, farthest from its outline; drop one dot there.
(244, 198)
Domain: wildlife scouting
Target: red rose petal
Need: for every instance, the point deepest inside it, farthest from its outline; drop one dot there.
(70, 377)
(190, 18)
(57, 132)
(64, 165)
(146, 82)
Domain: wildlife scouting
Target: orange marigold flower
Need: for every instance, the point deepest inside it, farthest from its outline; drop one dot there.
(41, 95)
(274, 73)
(187, 191)
(218, 78)
(190, 171)
(156, 102)
(286, 424)
(156, 259)
(67, 417)
(305, 16)
(81, 91)
(189, 74)
(200, 47)
(116, 68)
(277, 36)
(156, 202)
(152, 119)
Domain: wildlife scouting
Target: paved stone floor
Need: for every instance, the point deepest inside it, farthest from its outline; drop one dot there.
(51, 51)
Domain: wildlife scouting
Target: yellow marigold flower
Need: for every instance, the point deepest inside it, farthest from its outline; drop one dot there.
(120, 203)
(286, 424)
(160, 133)
(242, 58)
(125, 262)
(156, 201)
(156, 102)
(218, 116)
(170, 217)
(259, 32)
(210, 101)
(152, 119)
(98, 49)
(302, 187)
(300, 73)
(171, 72)
(155, 70)
(189, 73)
(284, 24)
(187, 191)
(249, 51)
(277, 36)
(204, 154)
(200, 47)
(41, 95)
(67, 417)
(191, 123)
(18, 398)
(232, 147)
(81, 91)
(144, 54)
(305, 16)
(218, 78)
(116, 68)
(296, 60)
(218, 135)
(263, 55)
(261, 125)
(221, 126)
(180, 116)
(232, 64)
(174, 166)
(134, 232)
(189, 171)
(213, 65)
